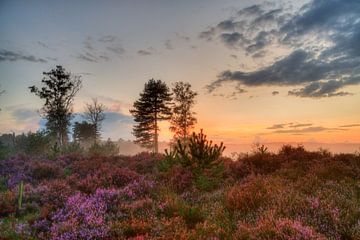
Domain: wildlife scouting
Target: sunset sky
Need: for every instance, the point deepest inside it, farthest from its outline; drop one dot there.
(274, 71)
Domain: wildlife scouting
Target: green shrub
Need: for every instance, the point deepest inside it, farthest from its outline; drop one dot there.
(205, 183)
(191, 215)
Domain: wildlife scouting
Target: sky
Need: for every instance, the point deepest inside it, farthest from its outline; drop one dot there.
(265, 71)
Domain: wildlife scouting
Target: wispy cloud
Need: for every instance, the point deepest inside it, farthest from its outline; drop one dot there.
(101, 49)
(350, 126)
(7, 55)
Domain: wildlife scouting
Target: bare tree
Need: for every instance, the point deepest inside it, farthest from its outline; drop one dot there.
(95, 114)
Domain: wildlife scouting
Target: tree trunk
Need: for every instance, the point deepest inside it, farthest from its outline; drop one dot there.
(156, 147)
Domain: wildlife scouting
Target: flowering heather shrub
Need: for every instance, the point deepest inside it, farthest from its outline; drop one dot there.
(277, 230)
(16, 169)
(45, 170)
(105, 176)
(251, 196)
(50, 195)
(138, 188)
(83, 217)
(179, 179)
(134, 228)
(291, 195)
(7, 203)
(144, 162)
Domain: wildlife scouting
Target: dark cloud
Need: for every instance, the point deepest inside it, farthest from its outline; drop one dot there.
(89, 57)
(6, 55)
(119, 50)
(252, 10)
(277, 126)
(297, 125)
(101, 49)
(144, 53)
(322, 38)
(168, 45)
(350, 126)
(24, 114)
(289, 126)
(309, 130)
(208, 34)
(233, 40)
(108, 39)
(113, 117)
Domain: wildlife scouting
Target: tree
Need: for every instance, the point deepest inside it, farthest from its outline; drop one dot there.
(95, 114)
(1, 92)
(84, 133)
(152, 106)
(58, 91)
(182, 120)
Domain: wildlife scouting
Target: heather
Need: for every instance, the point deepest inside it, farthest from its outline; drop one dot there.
(292, 194)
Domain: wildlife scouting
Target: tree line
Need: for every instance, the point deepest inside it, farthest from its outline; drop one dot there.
(157, 102)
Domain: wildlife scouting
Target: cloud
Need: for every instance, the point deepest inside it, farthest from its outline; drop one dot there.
(101, 49)
(108, 39)
(297, 125)
(289, 125)
(233, 40)
(350, 126)
(168, 45)
(6, 55)
(25, 114)
(277, 126)
(308, 130)
(321, 54)
(144, 53)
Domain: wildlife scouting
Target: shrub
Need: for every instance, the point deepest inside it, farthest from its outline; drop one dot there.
(7, 203)
(199, 153)
(45, 170)
(191, 215)
(250, 196)
(84, 217)
(180, 179)
(277, 230)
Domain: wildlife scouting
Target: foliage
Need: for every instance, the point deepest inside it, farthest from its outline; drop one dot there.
(199, 153)
(95, 114)
(148, 110)
(182, 119)
(104, 149)
(85, 134)
(58, 91)
(312, 195)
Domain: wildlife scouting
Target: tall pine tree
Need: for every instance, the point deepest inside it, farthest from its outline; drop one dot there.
(152, 106)
(183, 119)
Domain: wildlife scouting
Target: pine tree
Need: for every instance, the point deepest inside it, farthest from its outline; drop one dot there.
(182, 120)
(152, 106)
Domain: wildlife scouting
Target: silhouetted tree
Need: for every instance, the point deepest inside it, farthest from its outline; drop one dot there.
(1, 92)
(152, 106)
(84, 133)
(58, 91)
(182, 119)
(95, 114)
